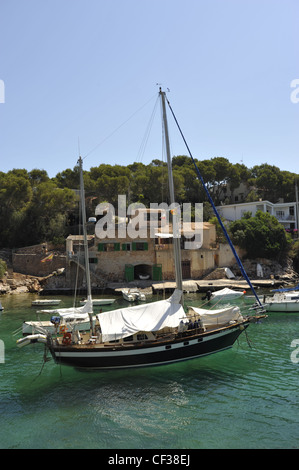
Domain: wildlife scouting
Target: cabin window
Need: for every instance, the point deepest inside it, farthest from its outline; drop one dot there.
(128, 338)
(141, 337)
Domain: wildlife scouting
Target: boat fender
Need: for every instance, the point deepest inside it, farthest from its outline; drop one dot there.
(67, 338)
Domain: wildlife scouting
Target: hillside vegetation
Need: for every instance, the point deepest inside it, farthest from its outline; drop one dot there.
(35, 208)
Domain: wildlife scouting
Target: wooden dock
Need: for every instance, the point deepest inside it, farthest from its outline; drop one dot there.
(204, 285)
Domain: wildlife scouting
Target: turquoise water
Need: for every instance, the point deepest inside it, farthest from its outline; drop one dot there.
(243, 398)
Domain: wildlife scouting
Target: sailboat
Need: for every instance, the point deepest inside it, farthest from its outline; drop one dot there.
(64, 320)
(156, 333)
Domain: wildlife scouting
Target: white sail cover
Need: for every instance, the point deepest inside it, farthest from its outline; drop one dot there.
(154, 316)
(227, 293)
(72, 313)
(219, 316)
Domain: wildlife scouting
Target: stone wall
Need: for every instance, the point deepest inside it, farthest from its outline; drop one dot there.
(30, 263)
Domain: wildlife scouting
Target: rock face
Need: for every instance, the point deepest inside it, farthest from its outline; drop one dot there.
(259, 269)
(271, 268)
(16, 283)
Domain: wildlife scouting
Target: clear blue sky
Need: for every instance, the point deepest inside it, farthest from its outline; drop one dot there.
(77, 70)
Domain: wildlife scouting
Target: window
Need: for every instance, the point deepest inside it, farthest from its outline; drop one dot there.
(126, 246)
(128, 338)
(139, 246)
(280, 214)
(141, 337)
(109, 247)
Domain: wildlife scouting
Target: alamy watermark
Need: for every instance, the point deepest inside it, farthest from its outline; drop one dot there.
(2, 92)
(295, 353)
(161, 220)
(2, 352)
(295, 93)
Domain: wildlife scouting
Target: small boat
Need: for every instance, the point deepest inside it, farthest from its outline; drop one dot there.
(62, 320)
(1, 308)
(31, 339)
(283, 300)
(99, 301)
(45, 302)
(133, 295)
(144, 277)
(57, 325)
(226, 294)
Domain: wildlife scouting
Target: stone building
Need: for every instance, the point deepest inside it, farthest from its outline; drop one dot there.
(150, 254)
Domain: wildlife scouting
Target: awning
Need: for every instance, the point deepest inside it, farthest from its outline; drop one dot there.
(164, 235)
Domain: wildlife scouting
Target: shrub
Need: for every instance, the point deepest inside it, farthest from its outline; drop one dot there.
(262, 236)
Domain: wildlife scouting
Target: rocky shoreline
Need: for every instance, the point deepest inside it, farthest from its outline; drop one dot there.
(274, 275)
(17, 283)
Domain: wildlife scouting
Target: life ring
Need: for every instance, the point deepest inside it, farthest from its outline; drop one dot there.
(67, 338)
(62, 329)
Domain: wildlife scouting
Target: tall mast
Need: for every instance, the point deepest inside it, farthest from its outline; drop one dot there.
(297, 207)
(175, 219)
(87, 270)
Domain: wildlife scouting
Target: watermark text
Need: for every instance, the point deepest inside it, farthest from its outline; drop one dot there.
(295, 93)
(2, 92)
(2, 352)
(160, 220)
(295, 353)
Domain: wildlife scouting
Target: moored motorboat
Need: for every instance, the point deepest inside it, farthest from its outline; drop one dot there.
(283, 300)
(39, 302)
(102, 301)
(132, 295)
(226, 294)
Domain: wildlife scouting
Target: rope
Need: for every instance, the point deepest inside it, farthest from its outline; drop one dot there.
(115, 130)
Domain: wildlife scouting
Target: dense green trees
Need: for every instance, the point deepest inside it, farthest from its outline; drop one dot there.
(262, 235)
(35, 208)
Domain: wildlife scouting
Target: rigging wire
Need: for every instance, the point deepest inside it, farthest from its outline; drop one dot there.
(117, 128)
(147, 133)
(215, 210)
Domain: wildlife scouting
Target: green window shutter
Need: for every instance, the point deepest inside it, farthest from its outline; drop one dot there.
(145, 246)
(116, 246)
(129, 272)
(157, 272)
(101, 247)
(124, 247)
(133, 246)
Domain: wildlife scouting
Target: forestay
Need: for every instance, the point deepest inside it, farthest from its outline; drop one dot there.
(127, 321)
